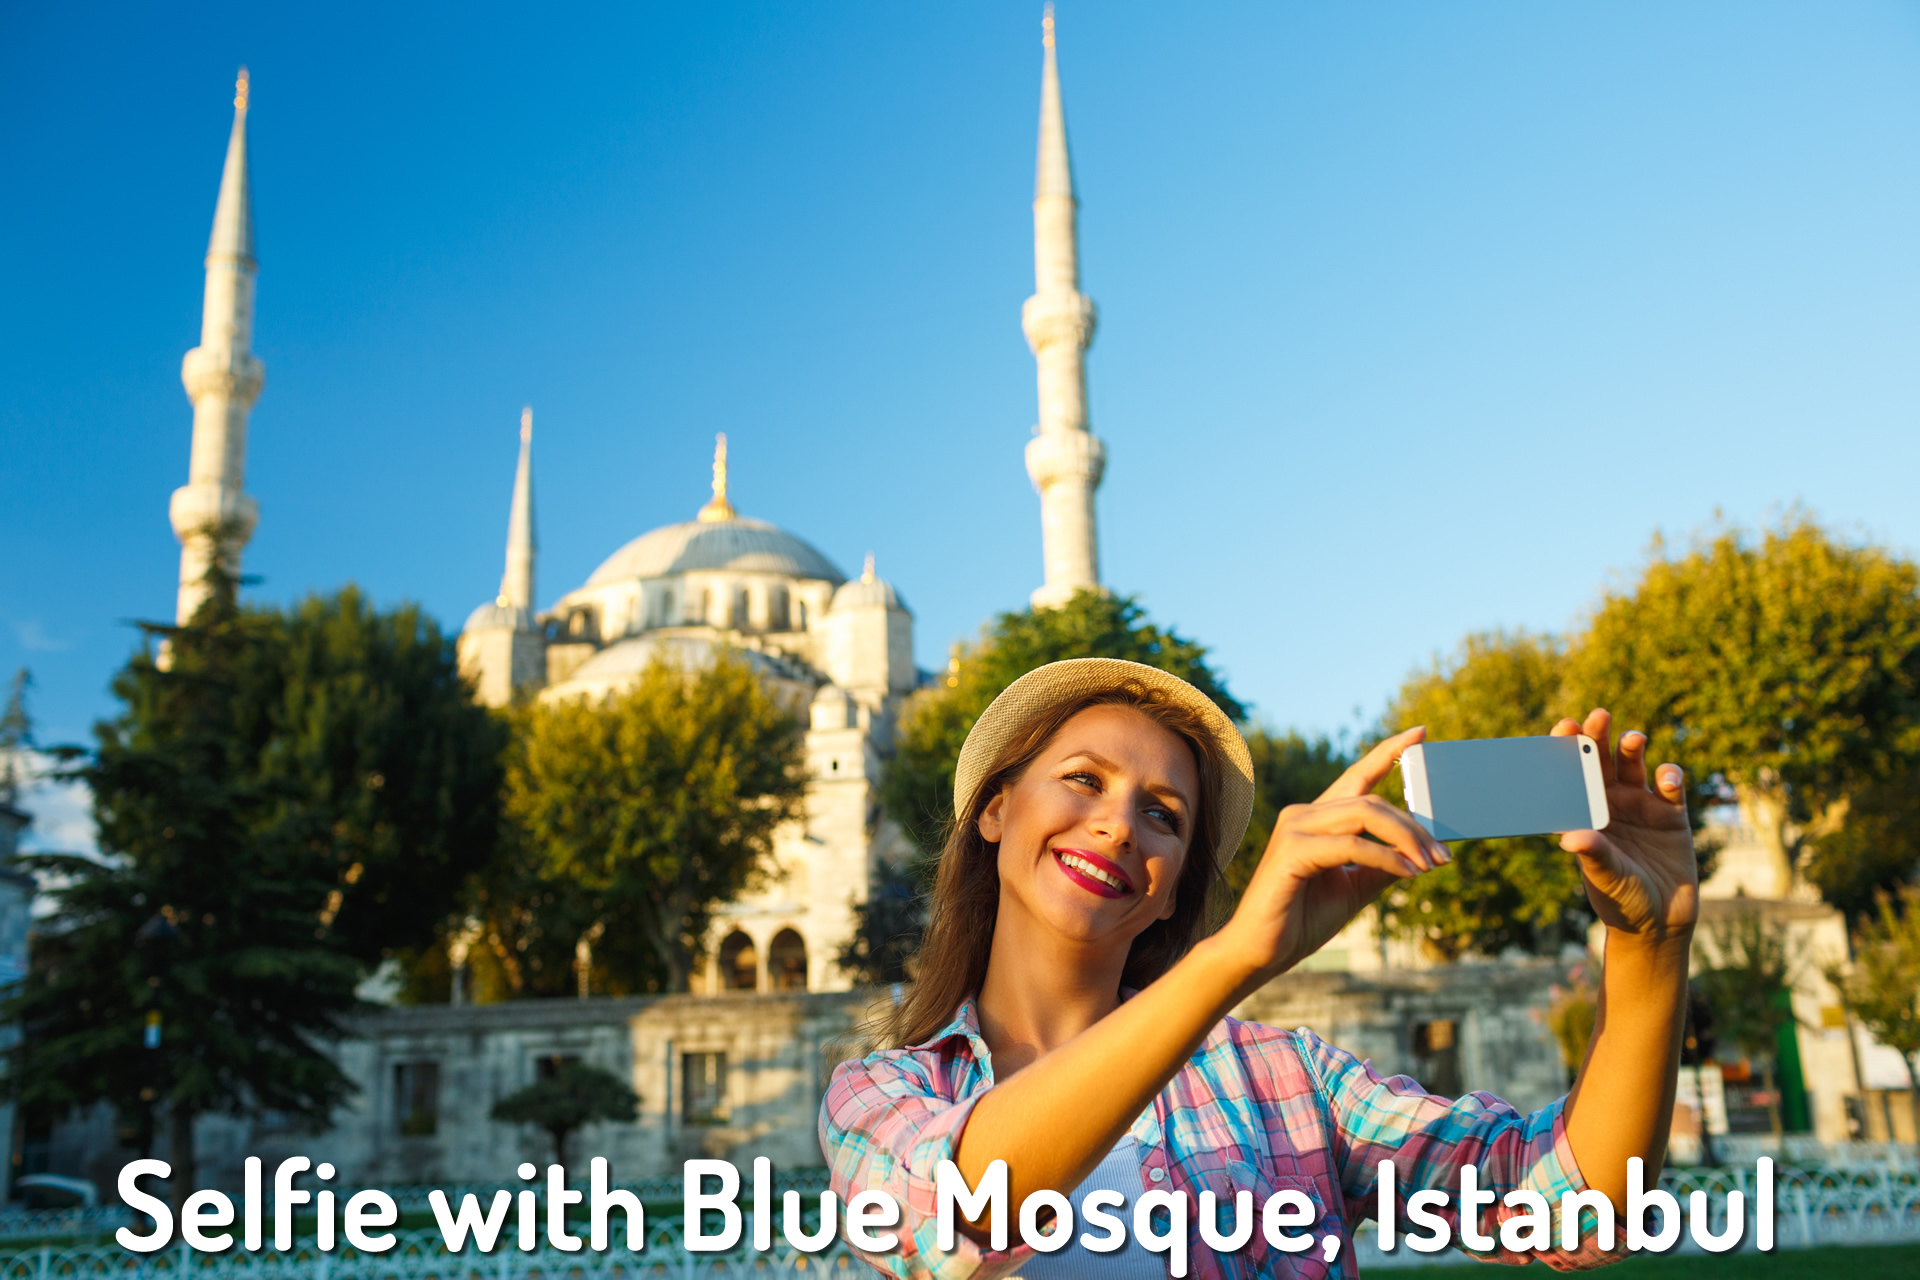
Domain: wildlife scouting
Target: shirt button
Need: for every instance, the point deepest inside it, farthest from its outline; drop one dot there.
(1156, 1174)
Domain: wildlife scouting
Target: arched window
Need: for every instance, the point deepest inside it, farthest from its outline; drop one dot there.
(803, 616)
(706, 605)
(777, 614)
(738, 964)
(787, 962)
(742, 609)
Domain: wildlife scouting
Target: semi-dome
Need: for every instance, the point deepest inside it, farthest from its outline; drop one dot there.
(495, 616)
(867, 591)
(737, 543)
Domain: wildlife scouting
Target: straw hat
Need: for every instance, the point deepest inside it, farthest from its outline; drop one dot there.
(1044, 688)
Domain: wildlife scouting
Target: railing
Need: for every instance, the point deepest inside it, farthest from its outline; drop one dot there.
(420, 1255)
(41, 1224)
(1813, 1207)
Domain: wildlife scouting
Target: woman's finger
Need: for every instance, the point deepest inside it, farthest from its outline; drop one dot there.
(1310, 855)
(1364, 774)
(1670, 780)
(1633, 758)
(1598, 726)
(1565, 727)
(1374, 817)
(1595, 851)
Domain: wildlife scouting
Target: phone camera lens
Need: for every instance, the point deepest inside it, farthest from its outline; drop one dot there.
(1588, 748)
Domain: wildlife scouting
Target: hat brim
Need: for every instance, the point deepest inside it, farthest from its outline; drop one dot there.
(1046, 688)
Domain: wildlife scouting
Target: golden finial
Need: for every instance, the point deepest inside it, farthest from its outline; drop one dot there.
(866, 574)
(526, 425)
(1046, 27)
(718, 508)
(240, 92)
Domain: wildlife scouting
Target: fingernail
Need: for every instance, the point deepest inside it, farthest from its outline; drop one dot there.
(1440, 852)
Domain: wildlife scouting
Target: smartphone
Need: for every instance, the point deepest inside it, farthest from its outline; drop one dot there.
(1487, 787)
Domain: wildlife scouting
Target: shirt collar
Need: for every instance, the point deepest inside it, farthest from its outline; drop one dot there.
(965, 1025)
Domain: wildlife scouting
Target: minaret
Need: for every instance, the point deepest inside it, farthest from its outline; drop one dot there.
(1064, 458)
(501, 648)
(516, 584)
(211, 516)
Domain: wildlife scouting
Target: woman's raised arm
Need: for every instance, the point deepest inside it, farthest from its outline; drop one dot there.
(1644, 885)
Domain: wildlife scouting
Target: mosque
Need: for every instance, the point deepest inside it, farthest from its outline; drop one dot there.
(840, 648)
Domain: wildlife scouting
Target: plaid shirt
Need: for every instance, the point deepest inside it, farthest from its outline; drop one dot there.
(1254, 1109)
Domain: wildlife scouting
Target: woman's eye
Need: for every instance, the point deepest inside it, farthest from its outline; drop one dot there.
(1084, 778)
(1165, 815)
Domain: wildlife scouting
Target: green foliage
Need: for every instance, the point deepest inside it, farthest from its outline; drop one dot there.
(643, 812)
(288, 798)
(1495, 894)
(887, 929)
(1883, 987)
(1745, 965)
(918, 788)
(1287, 769)
(1573, 1010)
(392, 772)
(1789, 669)
(576, 1094)
(1874, 851)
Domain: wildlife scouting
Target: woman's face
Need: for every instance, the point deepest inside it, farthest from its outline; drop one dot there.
(1093, 835)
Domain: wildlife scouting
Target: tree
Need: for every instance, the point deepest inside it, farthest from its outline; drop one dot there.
(254, 862)
(394, 773)
(1495, 894)
(1287, 769)
(576, 1094)
(647, 810)
(1746, 965)
(1883, 988)
(1572, 1013)
(887, 929)
(917, 790)
(1786, 669)
(1874, 851)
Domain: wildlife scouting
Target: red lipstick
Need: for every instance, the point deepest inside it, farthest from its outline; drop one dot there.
(1093, 873)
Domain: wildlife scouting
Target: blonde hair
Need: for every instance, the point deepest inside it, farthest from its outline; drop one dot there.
(966, 892)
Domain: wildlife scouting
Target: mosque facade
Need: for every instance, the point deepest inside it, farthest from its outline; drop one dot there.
(837, 649)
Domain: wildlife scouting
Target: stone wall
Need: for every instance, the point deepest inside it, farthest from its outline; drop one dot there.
(429, 1075)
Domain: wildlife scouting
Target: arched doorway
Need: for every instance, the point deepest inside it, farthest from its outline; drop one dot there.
(787, 962)
(738, 964)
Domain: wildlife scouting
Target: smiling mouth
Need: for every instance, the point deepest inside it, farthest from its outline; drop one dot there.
(1094, 873)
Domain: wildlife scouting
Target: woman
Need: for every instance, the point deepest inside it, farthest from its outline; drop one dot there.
(1070, 1018)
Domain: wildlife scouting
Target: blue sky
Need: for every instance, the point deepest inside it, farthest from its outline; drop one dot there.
(1415, 319)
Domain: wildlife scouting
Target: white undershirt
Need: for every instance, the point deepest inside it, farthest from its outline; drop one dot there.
(1120, 1172)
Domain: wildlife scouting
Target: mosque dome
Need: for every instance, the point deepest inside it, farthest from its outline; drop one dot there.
(495, 616)
(738, 543)
(867, 590)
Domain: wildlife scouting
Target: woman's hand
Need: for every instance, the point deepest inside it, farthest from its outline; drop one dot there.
(1640, 872)
(1320, 870)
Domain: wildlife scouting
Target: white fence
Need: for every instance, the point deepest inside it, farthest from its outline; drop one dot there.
(1813, 1207)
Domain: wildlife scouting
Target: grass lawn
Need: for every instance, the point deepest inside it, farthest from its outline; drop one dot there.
(1870, 1262)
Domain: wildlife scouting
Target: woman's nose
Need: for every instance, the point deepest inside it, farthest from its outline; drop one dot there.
(1114, 820)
